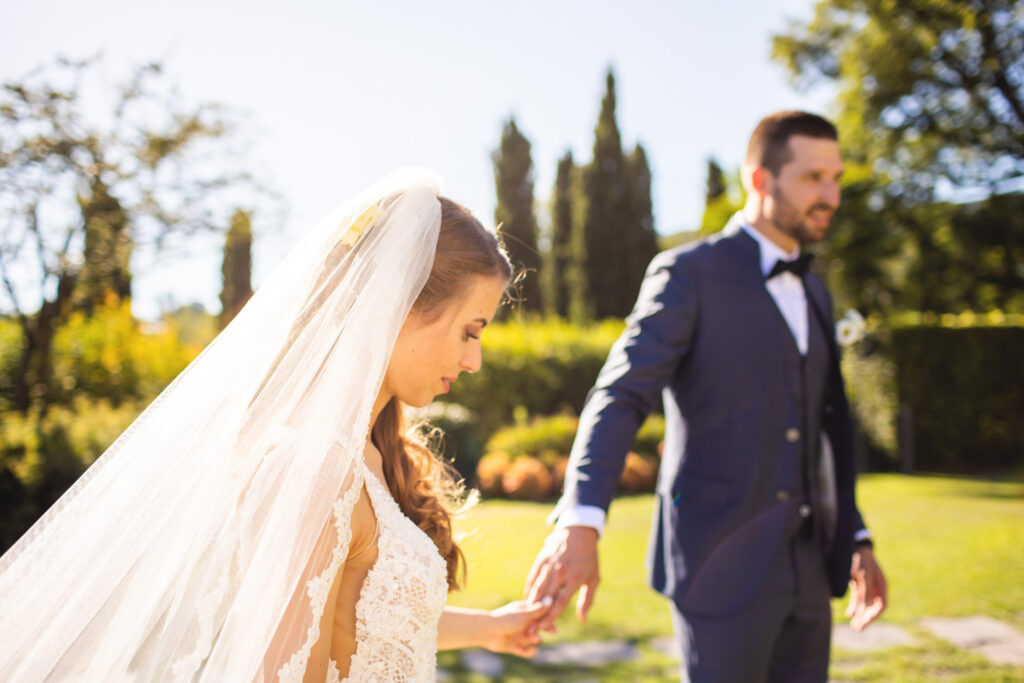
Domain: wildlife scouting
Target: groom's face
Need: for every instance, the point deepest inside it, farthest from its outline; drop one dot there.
(805, 193)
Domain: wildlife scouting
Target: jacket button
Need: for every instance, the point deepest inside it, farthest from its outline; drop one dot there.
(792, 435)
(804, 510)
(782, 495)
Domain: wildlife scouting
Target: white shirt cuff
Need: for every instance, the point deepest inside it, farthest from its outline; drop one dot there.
(583, 515)
(862, 535)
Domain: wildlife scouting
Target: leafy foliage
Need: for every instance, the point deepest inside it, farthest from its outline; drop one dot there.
(77, 197)
(931, 114)
(930, 91)
(108, 355)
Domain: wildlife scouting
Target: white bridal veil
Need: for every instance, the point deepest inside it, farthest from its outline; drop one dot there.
(189, 551)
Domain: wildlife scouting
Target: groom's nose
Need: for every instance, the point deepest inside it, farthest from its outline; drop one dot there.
(829, 192)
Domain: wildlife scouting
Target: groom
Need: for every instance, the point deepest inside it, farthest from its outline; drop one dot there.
(756, 526)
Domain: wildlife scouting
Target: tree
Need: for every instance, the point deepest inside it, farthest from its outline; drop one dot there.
(932, 88)
(77, 195)
(236, 268)
(560, 261)
(723, 197)
(643, 237)
(931, 113)
(609, 216)
(107, 253)
(513, 180)
(715, 185)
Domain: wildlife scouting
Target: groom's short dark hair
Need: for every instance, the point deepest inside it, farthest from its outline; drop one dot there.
(769, 143)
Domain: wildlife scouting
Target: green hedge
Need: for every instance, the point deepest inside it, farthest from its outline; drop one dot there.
(534, 368)
(965, 388)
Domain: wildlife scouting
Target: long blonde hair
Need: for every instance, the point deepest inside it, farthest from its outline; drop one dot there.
(424, 486)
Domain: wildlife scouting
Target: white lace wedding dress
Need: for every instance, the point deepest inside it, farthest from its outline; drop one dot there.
(401, 599)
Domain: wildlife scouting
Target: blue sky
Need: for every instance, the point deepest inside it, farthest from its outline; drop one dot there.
(339, 93)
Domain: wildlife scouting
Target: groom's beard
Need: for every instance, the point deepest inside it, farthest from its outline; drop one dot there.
(799, 224)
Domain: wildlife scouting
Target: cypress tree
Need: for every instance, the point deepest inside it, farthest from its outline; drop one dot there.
(107, 253)
(644, 243)
(560, 261)
(719, 206)
(715, 186)
(609, 217)
(513, 181)
(236, 269)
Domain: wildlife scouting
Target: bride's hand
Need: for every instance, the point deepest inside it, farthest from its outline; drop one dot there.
(510, 629)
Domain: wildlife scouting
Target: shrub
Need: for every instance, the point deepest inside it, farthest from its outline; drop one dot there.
(540, 436)
(639, 474)
(547, 441)
(526, 479)
(111, 355)
(489, 472)
(543, 367)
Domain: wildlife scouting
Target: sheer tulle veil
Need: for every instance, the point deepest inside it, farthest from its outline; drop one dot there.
(189, 550)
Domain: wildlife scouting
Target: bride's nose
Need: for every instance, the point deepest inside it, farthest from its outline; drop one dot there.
(472, 359)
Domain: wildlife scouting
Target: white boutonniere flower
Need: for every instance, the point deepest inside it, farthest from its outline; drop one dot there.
(850, 329)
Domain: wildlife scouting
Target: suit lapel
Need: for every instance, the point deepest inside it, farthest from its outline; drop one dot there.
(751, 252)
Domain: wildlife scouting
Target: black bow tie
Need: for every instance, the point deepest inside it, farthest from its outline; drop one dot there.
(798, 266)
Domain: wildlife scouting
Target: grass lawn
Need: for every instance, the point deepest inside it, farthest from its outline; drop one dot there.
(949, 546)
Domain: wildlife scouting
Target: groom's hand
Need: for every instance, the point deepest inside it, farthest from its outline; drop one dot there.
(868, 590)
(567, 562)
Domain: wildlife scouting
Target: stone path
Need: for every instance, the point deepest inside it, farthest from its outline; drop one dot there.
(877, 636)
(998, 641)
(991, 638)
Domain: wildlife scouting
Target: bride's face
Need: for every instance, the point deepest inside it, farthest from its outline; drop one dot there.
(431, 353)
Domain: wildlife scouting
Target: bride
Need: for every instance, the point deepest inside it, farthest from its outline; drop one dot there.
(268, 518)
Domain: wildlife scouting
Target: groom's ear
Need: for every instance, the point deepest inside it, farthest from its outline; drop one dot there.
(759, 180)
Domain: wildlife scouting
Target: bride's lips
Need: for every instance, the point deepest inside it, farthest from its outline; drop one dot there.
(447, 382)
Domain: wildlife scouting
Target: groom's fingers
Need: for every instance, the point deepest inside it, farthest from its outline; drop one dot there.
(585, 600)
(562, 597)
(535, 571)
(540, 584)
(868, 590)
(545, 586)
(875, 592)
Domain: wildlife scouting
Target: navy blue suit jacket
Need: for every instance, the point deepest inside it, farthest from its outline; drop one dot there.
(708, 338)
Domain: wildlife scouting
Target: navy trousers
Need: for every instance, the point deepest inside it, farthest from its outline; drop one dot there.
(782, 636)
